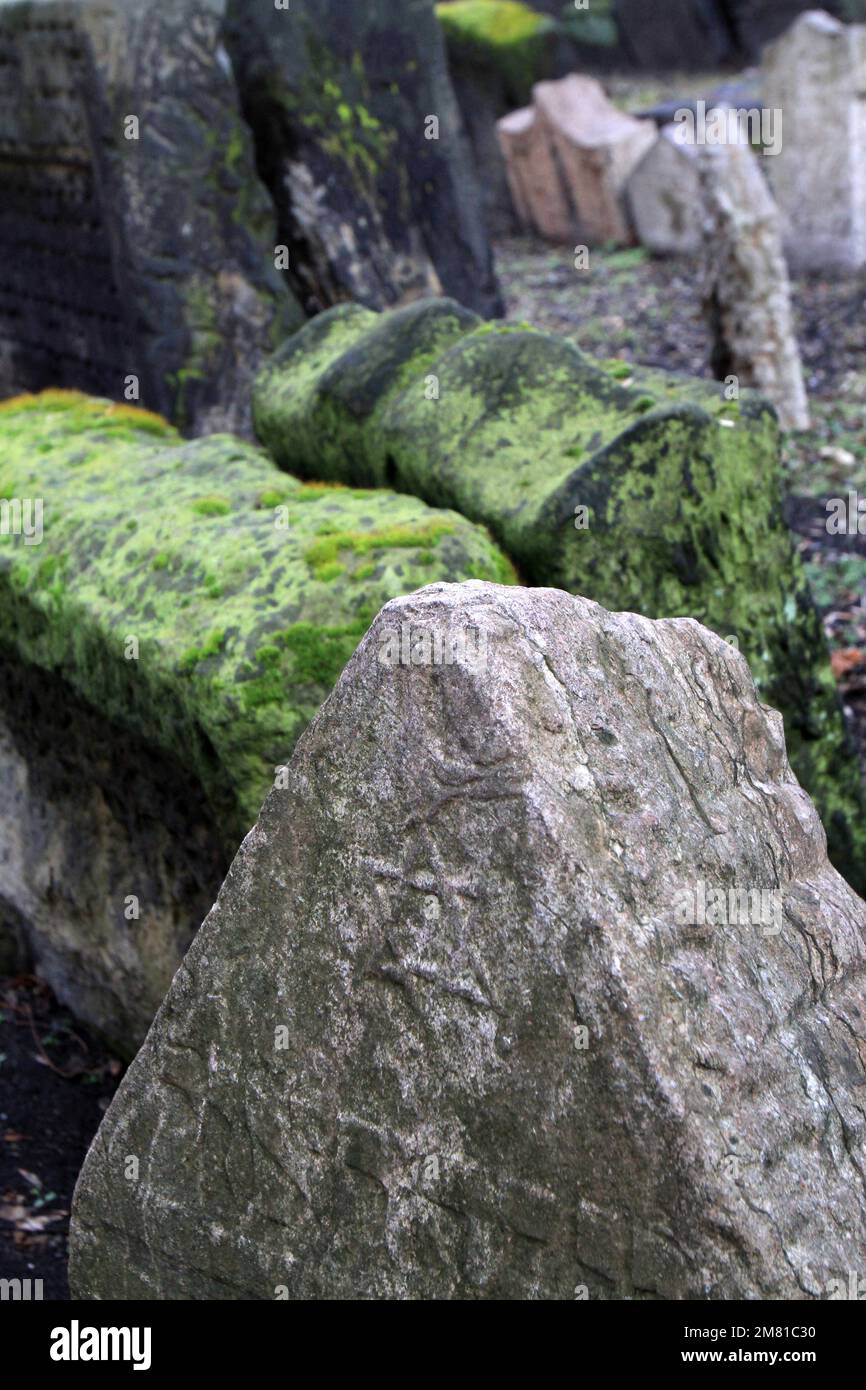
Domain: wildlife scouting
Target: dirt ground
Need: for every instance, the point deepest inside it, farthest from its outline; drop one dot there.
(56, 1082)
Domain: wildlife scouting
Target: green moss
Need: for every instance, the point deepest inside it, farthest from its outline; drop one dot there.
(506, 34)
(212, 506)
(323, 553)
(224, 690)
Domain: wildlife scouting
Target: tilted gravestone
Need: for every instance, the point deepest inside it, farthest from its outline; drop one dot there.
(360, 141)
(136, 242)
(172, 614)
(533, 982)
(815, 74)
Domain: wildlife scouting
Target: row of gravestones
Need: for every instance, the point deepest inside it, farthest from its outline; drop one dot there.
(173, 613)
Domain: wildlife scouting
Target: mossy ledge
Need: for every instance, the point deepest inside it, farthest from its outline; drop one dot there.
(192, 593)
(640, 489)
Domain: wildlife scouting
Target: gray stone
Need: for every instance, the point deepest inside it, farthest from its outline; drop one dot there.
(665, 198)
(374, 203)
(816, 75)
(148, 257)
(476, 1015)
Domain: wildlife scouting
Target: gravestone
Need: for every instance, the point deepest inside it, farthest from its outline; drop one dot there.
(816, 75)
(182, 612)
(360, 141)
(136, 245)
(665, 198)
(596, 147)
(534, 982)
(747, 291)
(540, 200)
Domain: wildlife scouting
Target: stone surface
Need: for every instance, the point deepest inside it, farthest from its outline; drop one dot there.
(665, 198)
(816, 75)
(538, 195)
(681, 491)
(338, 97)
(136, 770)
(148, 257)
(748, 294)
(596, 148)
(447, 1032)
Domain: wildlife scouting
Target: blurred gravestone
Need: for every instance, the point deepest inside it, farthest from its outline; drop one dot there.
(540, 199)
(135, 238)
(665, 199)
(359, 139)
(816, 75)
(568, 158)
(748, 295)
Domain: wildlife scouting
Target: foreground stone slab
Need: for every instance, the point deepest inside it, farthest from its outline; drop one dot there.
(641, 489)
(181, 613)
(136, 240)
(361, 144)
(815, 74)
(534, 981)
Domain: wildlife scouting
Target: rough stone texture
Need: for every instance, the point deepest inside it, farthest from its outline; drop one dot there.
(150, 257)
(665, 199)
(816, 74)
(338, 98)
(596, 148)
(538, 195)
(748, 294)
(140, 776)
(517, 429)
(369, 1077)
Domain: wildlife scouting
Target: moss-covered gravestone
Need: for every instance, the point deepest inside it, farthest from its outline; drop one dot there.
(136, 241)
(360, 141)
(640, 489)
(171, 617)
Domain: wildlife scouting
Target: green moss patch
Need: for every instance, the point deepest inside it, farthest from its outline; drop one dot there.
(181, 604)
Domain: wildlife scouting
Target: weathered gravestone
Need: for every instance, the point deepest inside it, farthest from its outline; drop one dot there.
(665, 198)
(641, 489)
(539, 198)
(596, 147)
(816, 75)
(535, 981)
(163, 642)
(360, 141)
(136, 242)
(747, 291)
